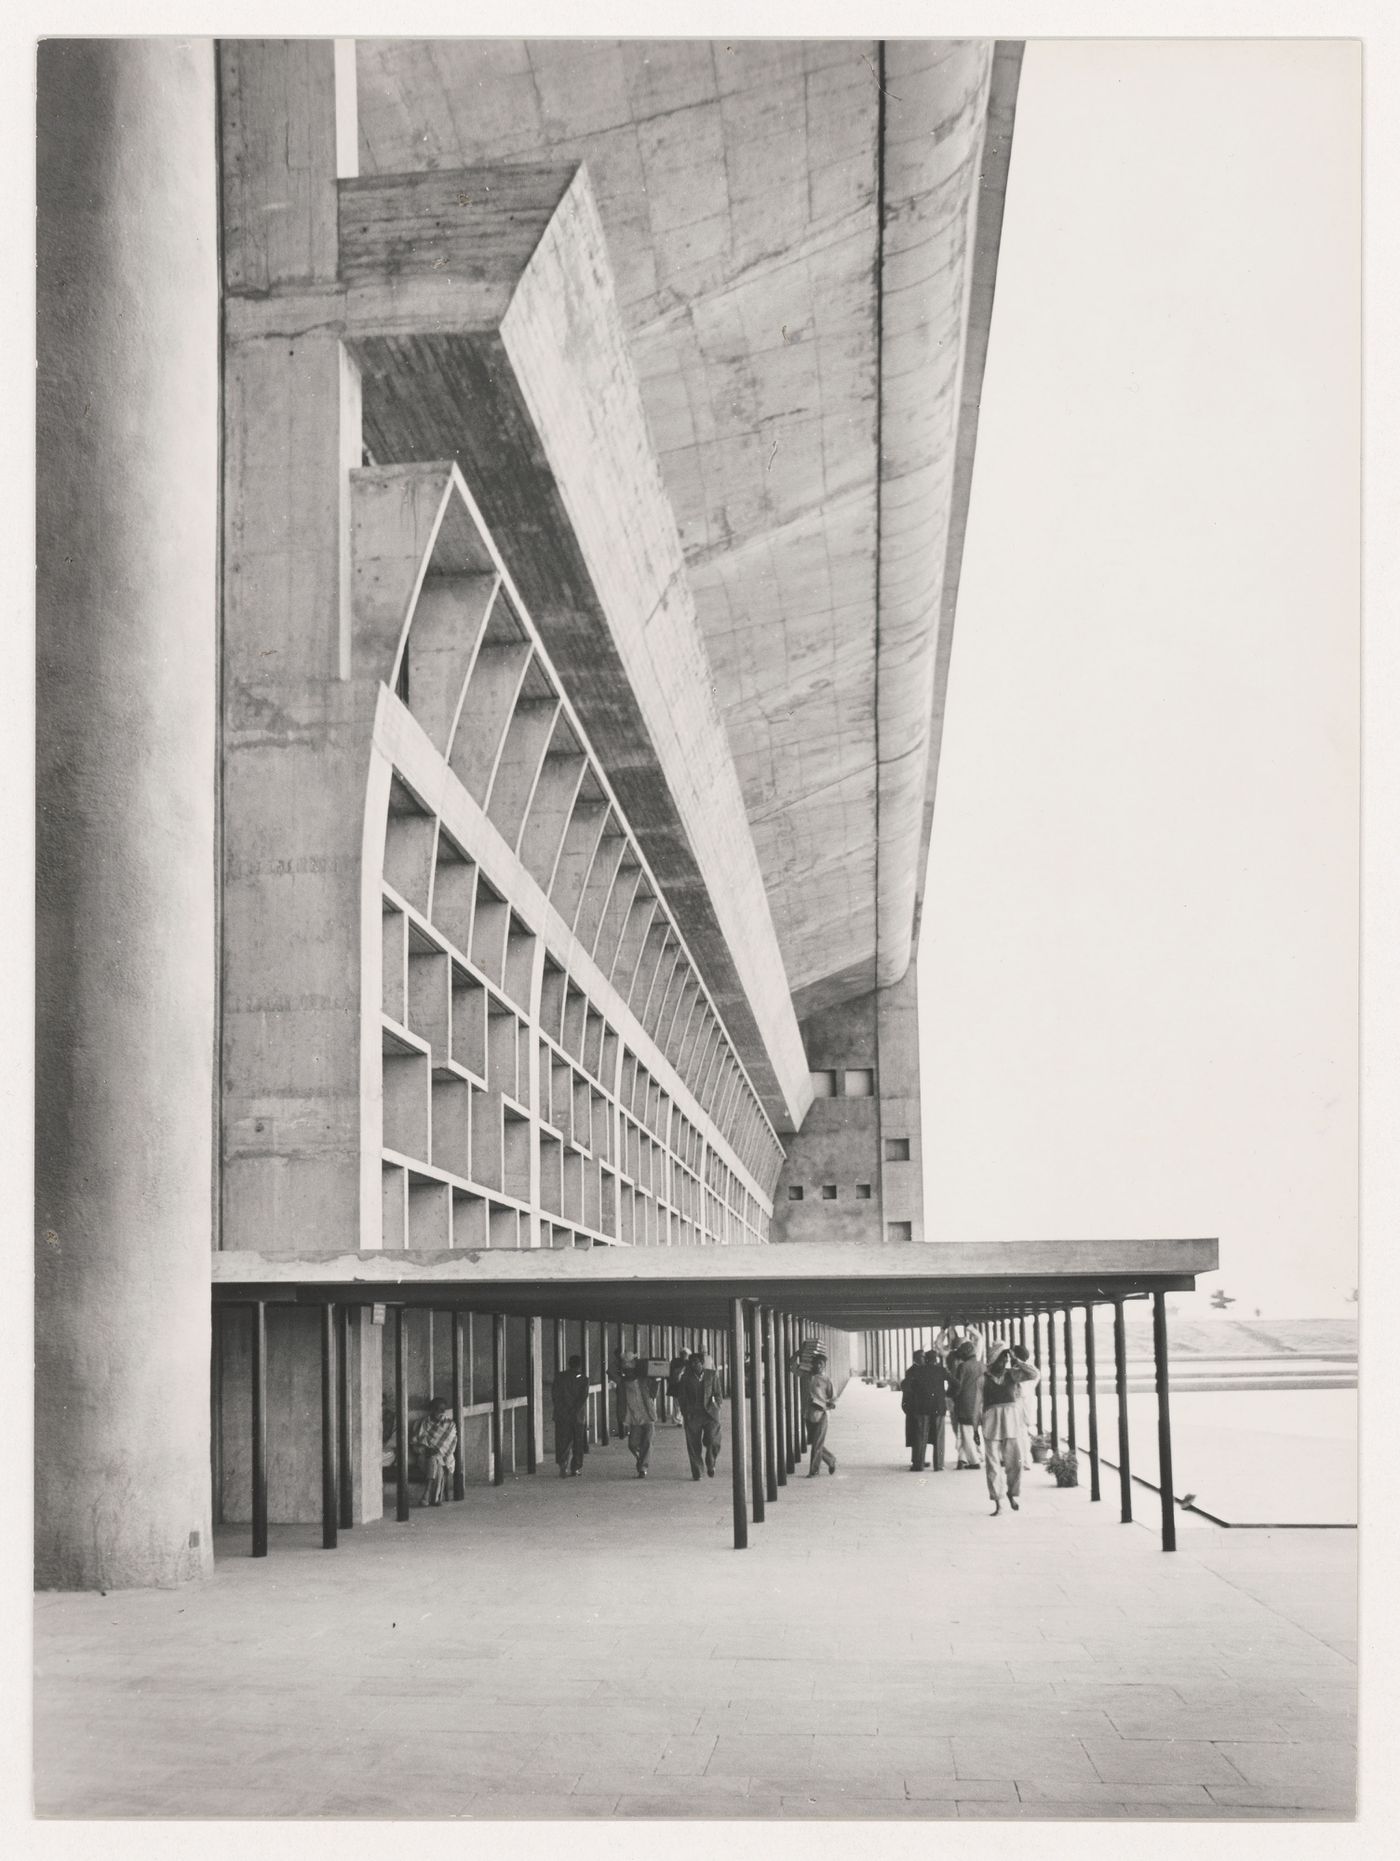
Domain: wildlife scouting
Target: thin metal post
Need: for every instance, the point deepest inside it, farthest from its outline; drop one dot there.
(1054, 1383)
(347, 1458)
(603, 1434)
(739, 1448)
(1164, 1421)
(498, 1398)
(784, 1373)
(1091, 1378)
(1120, 1377)
(1040, 1380)
(799, 1438)
(532, 1365)
(759, 1484)
(459, 1407)
(400, 1417)
(1069, 1378)
(775, 1477)
(561, 1347)
(330, 1454)
(259, 1382)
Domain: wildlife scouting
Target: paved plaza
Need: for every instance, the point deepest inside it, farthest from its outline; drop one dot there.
(595, 1648)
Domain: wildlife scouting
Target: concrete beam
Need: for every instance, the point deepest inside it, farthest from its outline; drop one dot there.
(847, 1284)
(934, 120)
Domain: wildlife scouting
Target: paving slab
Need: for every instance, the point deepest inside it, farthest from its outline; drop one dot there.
(884, 1650)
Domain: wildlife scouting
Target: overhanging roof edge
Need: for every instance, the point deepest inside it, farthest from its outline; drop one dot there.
(795, 1264)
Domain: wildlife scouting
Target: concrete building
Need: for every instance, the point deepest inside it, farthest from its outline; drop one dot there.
(501, 509)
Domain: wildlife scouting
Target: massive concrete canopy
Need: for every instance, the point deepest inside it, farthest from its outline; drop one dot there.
(804, 240)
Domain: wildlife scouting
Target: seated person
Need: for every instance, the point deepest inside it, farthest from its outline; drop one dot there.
(435, 1442)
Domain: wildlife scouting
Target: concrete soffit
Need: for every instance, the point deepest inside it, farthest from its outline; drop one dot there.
(481, 311)
(948, 111)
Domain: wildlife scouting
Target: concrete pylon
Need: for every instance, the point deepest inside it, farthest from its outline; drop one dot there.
(128, 421)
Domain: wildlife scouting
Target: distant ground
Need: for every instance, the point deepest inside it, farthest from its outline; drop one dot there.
(1248, 1337)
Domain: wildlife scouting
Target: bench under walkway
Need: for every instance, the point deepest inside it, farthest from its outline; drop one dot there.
(595, 1648)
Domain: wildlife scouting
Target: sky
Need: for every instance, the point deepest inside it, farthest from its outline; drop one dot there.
(1138, 967)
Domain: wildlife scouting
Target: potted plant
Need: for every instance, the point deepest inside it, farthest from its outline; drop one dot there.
(1065, 1468)
(1040, 1449)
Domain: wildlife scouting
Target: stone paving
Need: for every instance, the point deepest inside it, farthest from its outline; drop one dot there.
(595, 1648)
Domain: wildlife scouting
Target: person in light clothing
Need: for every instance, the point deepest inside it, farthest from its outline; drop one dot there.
(638, 1404)
(1004, 1426)
(1025, 1390)
(435, 1442)
(821, 1400)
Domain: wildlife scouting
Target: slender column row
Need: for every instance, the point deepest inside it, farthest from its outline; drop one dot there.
(885, 1352)
(767, 1426)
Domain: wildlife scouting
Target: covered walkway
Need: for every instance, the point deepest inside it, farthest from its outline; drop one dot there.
(593, 1648)
(758, 1308)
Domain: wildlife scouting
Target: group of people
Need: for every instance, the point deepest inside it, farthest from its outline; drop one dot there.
(694, 1386)
(989, 1401)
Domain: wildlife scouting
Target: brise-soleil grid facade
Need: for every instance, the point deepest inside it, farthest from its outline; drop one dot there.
(554, 1071)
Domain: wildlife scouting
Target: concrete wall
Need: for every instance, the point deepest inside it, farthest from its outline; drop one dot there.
(294, 722)
(127, 410)
(901, 1114)
(844, 1139)
(293, 1415)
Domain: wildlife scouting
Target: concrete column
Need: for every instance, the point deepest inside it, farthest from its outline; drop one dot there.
(127, 425)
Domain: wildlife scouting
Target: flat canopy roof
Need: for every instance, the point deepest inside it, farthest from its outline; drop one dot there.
(851, 1286)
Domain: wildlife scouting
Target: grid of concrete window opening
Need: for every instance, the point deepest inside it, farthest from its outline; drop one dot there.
(551, 1059)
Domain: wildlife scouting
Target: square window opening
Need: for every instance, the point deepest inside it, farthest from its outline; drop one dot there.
(794, 1192)
(824, 1085)
(860, 1083)
(896, 1150)
(828, 1192)
(862, 1192)
(899, 1231)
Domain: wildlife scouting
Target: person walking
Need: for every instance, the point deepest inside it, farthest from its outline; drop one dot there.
(637, 1402)
(966, 1376)
(702, 1410)
(674, 1373)
(1004, 1425)
(1025, 1391)
(821, 1400)
(570, 1391)
(924, 1395)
